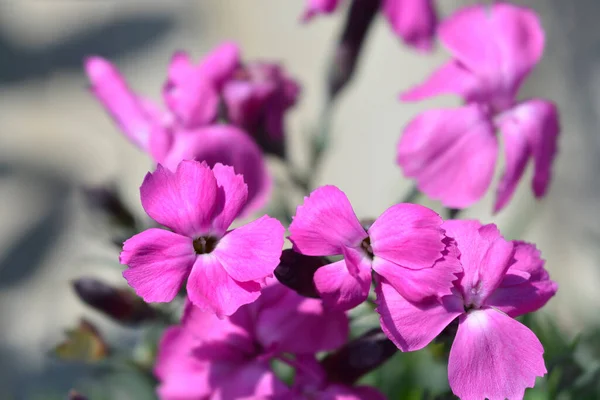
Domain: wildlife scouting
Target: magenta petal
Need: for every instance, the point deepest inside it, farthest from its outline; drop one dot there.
(251, 252)
(500, 44)
(316, 7)
(251, 380)
(184, 200)
(450, 78)
(325, 223)
(232, 196)
(220, 64)
(210, 288)
(341, 290)
(299, 325)
(493, 356)
(413, 20)
(158, 261)
(409, 235)
(342, 392)
(227, 145)
(451, 153)
(124, 106)
(409, 326)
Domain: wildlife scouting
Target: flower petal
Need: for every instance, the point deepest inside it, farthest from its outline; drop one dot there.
(450, 78)
(128, 111)
(451, 153)
(413, 20)
(493, 356)
(339, 289)
(316, 7)
(184, 200)
(231, 197)
(210, 288)
(220, 64)
(252, 252)
(299, 325)
(251, 380)
(409, 235)
(158, 261)
(410, 326)
(325, 223)
(227, 145)
(500, 44)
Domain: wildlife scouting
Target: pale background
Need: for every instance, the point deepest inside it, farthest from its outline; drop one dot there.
(55, 138)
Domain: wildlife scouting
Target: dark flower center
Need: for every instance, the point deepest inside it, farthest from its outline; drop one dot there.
(366, 246)
(205, 244)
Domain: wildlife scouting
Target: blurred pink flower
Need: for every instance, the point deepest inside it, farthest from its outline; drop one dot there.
(452, 153)
(207, 357)
(493, 356)
(412, 20)
(224, 269)
(401, 245)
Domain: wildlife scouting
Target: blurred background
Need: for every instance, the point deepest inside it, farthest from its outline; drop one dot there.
(55, 139)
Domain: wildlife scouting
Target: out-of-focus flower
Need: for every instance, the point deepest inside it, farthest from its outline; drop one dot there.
(493, 355)
(207, 357)
(402, 245)
(200, 99)
(452, 153)
(224, 269)
(412, 20)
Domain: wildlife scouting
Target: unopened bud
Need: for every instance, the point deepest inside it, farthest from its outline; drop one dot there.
(119, 304)
(296, 271)
(359, 19)
(358, 357)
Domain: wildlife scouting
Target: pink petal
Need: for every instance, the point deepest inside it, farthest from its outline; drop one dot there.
(325, 223)
(316, 7)
(232, 196)
(251, 252)
(299, 325)
(158, 261)
(211, 289)
(343, 392)
(339, 289)
(408, 235)
(124, 106)
(526, 287)
(220, 64)
(184, 200)
(485, 257)
(451, 153)
(500, 44)
(413, 20)
(493, 356)
(190, 96)
(535, 121)
(450, 78)
(253, 380)
(227, 145)
(409, 326)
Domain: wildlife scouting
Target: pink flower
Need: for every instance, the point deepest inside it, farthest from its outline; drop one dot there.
(452, 153)
(402, 245)
(207, 357)
(224, 269)
(412, 20)
(493, 356)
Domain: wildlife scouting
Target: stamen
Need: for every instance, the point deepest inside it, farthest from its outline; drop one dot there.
(205, 244)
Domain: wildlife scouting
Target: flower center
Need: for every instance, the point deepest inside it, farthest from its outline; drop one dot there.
(205, 244)
(366, 246)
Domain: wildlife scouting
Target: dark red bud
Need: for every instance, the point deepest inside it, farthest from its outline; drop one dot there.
(296, 271)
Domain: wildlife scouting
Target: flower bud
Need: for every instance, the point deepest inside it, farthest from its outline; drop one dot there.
(296, 271)
(358, 357)
(121, 305)
(359, 19)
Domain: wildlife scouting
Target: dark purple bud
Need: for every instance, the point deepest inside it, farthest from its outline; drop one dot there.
(359, 19)
(358, 357)
(107, 200)
(296, 271)
(120, 304)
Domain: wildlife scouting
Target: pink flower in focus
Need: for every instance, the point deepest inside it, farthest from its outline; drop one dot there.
(224, 269)
(414, 21)
(402, 245)
(207, 357)
(452, 153)
(493, 356)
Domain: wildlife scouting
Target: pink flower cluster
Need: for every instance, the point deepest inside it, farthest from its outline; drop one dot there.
(219, 111)
(452, 153)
